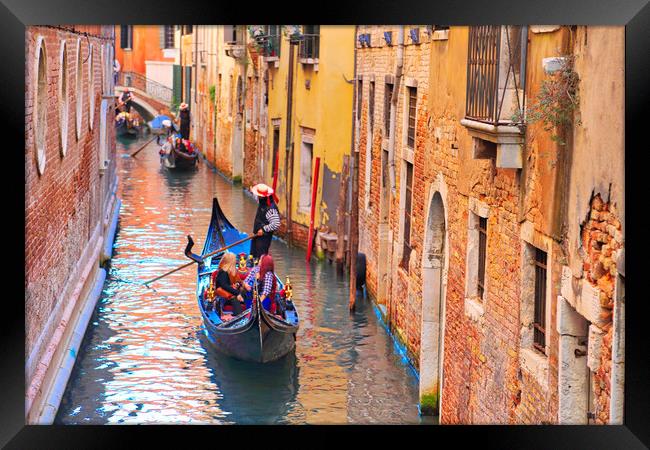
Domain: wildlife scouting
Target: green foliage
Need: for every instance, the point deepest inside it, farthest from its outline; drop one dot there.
(429, 404)
(557, 100)
(236, 179)
(173, 107)
(213, 92)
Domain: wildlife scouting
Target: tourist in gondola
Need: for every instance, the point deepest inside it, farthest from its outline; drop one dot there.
(225, 282)
(264, 275)
(267, 220)
(183, 118)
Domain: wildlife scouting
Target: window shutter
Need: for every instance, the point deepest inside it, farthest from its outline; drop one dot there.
(161, 35)
(124, 37)
(227, 33)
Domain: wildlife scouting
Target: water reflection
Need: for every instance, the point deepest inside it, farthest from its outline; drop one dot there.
(145, 357)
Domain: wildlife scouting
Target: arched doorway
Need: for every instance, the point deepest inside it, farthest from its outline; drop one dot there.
(434, 282)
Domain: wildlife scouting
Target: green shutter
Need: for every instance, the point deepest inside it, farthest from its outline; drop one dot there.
(178, 86)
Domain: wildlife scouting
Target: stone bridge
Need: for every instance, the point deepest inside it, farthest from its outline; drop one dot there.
(150, 96)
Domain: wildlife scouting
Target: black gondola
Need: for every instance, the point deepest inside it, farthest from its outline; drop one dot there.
(177, 158)
(255, 334)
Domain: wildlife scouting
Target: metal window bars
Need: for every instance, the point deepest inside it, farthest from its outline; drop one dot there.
(309, 46)
(408, 198)
(492, 96)
(539, 320)
(482, 244)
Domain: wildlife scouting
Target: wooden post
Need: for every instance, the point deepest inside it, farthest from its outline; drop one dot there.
(314, 190)
(341, 213)
(354, 231)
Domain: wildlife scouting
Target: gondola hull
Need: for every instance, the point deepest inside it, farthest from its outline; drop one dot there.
(122, 129)
(256, 334)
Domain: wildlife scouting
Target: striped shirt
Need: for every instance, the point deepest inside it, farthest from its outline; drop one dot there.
(268, 280)
(273, 218)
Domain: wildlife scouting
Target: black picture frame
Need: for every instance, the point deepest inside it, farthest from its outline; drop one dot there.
(634, 14)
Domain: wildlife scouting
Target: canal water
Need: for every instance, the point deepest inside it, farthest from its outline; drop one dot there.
(145, 357)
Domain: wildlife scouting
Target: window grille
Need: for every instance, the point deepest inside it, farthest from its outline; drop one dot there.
(168, 35)
(359, 98)
(482, 244)
(388, 93)
(408, 197)
(492, 96)
(411, 116)
(310, 44)
(539, 321)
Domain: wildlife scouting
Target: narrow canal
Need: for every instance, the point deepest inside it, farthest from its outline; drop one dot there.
(145, 358)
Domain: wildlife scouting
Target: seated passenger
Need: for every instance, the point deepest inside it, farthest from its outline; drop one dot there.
(225, 282)
(264, 275)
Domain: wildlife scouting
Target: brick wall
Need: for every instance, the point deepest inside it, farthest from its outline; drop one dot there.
(64, 204)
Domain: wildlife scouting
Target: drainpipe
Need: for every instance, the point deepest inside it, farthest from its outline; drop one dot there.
(393, 108)
(288, 168)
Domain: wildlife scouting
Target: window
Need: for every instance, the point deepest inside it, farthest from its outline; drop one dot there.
(408, 197)
(306, 152)
(168, 36)
(126, 37)
(371, 105)
(276, 147)
(309, 46)
(388, 93)
(413, 96)
(482, 241)
(494, 73)
(359, 99)
(91, 87)
(40, 103)
(539, 320)
(272, 41)
(79, 89)
(63, 99)
(187, 29)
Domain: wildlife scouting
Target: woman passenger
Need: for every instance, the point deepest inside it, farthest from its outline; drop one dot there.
(264, 275)
(225, 282)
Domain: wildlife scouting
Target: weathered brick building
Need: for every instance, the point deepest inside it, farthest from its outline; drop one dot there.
(496, 253)
(70, 203)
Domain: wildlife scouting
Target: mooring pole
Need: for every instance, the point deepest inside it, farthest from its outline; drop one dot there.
(314, 190)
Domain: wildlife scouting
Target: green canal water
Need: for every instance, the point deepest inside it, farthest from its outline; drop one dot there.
(145, 357)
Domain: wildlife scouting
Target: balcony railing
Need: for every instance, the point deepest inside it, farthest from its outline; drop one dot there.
(152, 88)
(270, 45)
(495, 74)
(309, 46)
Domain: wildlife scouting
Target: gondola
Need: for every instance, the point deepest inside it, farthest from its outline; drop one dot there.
(126, 126)
(173, 157)
(256, 334)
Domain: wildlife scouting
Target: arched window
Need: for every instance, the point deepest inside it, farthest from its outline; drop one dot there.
(79, 90)
(63, 98)
(40, 103)
(91, 87)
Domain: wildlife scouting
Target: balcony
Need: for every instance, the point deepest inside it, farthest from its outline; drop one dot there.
(496, 70)
(270, 47)
(309, 48)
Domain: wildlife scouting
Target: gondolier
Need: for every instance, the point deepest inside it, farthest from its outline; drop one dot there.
(267, 220)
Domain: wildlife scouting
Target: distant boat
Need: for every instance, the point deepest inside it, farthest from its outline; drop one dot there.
(173, 155)
(126, 125)
(256, 334)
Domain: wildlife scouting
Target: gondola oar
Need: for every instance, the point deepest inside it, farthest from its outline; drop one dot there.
(143, 146)
(199, 259)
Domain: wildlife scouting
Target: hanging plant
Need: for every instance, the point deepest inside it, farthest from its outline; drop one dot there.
(212, 90)
(557, 100)
(293, 32)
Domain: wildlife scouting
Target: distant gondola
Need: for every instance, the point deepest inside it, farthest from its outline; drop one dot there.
(126, 125)
(176, 156)
(256, 334)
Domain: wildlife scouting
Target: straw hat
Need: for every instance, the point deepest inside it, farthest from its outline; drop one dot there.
(262, 190)
(184, 105)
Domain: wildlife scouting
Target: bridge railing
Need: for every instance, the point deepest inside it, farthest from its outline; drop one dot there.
(153, 89)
